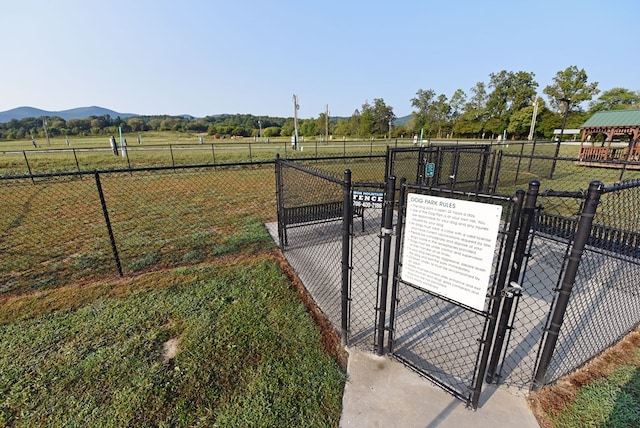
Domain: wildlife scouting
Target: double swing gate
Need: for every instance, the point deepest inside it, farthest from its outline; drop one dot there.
(403, 280)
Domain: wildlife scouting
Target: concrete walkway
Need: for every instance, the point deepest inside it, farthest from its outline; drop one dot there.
(381, 392)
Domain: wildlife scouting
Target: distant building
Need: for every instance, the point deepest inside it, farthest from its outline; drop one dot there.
(611, 136)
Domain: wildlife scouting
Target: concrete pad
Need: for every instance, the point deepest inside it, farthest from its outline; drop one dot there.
(381, 392)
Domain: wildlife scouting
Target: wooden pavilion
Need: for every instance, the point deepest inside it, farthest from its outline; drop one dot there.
(624, 124)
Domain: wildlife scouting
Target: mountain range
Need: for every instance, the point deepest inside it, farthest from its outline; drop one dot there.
(74, 113)
(84, 112)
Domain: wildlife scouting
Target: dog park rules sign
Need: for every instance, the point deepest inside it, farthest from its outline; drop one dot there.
(449, 245)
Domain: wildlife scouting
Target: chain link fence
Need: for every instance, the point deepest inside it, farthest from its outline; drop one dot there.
(605, 298)
(58, 229)
(78, 227)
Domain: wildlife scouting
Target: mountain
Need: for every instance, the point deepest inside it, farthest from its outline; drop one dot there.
(400, 121)
(74, 113)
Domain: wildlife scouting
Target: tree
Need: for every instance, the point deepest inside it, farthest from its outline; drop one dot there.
(457, 104)
(441, 113)
(520, 123)
(511, 92)
(382, 115)
(616, 99)
(423, 105)
(365, 123)
(137, 124)
(570, 85)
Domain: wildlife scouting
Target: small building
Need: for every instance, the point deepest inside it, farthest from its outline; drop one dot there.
(611, 136)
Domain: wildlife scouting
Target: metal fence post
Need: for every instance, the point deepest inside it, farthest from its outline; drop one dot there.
(386, 232)
(526, 221)
(76, 159)
(394, 287)
(280, 202)
(581, 237)
(24, 153)
(347, 210)
(105, 212)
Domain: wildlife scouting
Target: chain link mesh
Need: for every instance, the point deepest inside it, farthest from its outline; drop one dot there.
(53, 230)
(605, 298)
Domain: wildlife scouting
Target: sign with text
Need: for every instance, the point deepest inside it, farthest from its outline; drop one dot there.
(449, 245)
(368, 199)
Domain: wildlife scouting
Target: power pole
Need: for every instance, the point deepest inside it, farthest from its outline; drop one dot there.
(326, 124)
(533, 119)
(295, 121)
(46, 133)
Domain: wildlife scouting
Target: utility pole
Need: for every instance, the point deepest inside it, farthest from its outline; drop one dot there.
(326, 124)
(259, 130)
(295, 121)
(533, 119)
(567, 102)
(46, 133)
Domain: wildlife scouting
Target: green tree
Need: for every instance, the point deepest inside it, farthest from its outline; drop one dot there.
(136, 124)
(441, 113)
(510, 93)
(570, 85)
(616, 99)
(520, 123)
(457, 103)
(423, 109)
(366, 121)
(382, 115)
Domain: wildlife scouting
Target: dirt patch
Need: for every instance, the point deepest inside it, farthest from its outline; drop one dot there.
(170, 349)
(554, 398)
(330, 338)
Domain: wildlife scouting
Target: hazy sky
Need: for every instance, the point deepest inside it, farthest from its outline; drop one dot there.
(250, 56)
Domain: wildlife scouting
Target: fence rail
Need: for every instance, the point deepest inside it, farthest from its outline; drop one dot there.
(58, 228)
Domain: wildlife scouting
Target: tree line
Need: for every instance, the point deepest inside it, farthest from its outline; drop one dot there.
(502, 106)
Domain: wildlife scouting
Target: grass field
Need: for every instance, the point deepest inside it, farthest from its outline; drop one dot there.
(226, 344)
(200, 277)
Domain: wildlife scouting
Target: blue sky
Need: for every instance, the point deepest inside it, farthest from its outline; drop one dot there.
(248, 56)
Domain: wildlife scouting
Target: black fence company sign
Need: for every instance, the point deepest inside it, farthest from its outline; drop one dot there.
(367, 199)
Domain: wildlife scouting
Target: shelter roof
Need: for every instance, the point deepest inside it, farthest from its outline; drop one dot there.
(613, 118)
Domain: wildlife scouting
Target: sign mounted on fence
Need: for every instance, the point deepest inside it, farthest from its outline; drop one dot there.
(449, 245)
(368, 199)
(429, 169)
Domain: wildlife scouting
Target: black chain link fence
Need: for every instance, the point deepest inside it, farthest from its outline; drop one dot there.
(605, 297)
(54, 230)
(312, 240)
(314, 245)
(545, 261)
(62, 228)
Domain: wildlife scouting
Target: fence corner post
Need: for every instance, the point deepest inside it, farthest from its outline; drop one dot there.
(581, 237)
(347, 210)
(386, 232)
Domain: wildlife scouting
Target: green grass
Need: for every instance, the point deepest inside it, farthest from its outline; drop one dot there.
(613, 401)
(54, 233)
(248, 354)
(604, 393)
(166, 149)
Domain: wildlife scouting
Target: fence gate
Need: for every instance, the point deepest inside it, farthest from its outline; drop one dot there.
(448, 244)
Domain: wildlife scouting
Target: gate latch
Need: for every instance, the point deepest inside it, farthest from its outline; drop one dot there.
(511, 289)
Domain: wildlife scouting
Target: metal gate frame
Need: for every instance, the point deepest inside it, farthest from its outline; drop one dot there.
(507, 265)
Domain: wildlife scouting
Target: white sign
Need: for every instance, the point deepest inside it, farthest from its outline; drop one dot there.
(566, 131)
(449, 245)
